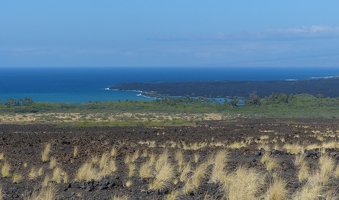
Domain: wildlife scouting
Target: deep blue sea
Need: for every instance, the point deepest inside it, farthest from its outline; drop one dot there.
(79, 85)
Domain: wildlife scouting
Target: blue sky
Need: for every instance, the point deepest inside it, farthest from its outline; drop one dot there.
(169, 33)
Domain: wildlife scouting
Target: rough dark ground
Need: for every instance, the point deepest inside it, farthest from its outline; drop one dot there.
(24, 143)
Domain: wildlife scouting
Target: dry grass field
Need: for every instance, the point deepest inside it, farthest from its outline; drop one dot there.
(215, 159)
(124, 119)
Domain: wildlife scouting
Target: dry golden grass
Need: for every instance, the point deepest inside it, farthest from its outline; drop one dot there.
(131, 169)
(1, 195)
(117, 197)
(241, 184)
(237, 145)
(87, 172)
(179, 157)
(46, 193)
(198, 174)
(129, 183)
(5, 170)
(303, 172)
(294, 148)
(104, 160)
(336, 172)
(163, 177)
(32, 175)
(46, 181)
(17, 178)
(272, 164)
(277, 190)
(220, 160)
(135, 156)
(184, 173)
(145, 169)
(40, 171)
(327, 165)
(188, 187)
(112, 165)
(265, 158)
(45, 153)
(59, 175)
(114, 152)
(299, 160)
(95, 159)
(2, 155)
(311, 190)
(52, 162)
(173, 195)
(75, 151)
(196, 157)
(162, 160)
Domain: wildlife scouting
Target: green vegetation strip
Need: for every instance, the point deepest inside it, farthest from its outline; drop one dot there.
(273, 106)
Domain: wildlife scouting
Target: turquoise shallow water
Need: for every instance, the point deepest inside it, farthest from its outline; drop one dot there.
(78, 85)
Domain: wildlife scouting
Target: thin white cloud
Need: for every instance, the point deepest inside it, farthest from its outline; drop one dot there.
(310, 32)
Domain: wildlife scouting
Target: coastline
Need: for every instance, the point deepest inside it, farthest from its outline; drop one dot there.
(324, 86)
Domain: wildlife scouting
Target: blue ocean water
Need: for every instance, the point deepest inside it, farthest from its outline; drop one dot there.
(79, 85)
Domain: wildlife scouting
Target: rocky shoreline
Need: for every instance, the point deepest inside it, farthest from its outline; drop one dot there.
(221, 89)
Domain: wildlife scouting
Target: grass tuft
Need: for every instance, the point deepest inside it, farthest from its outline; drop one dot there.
(241, 184)
(17, 178)
(219, 166)
(277, 190)
(164, 175)
(75, 151)
(46, 193)
(116, 197)
(5, 170)
(45, 153)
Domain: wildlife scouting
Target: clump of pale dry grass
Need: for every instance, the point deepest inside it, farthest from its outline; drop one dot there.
(299, 160)
(241, 184)
(17, 178)
(129, 183)
(1, 195)
(131, 169)
(146, 168)
(5, 170)
(270, 162)
(179, 157)
(87, 172)
(185, 171)
(294, 148)
(46, 193)
(173, 195)
(59, 175)
(277, 190)
(52, 162)
(198, 174)
(220, 160)
(163, 177)
(32, 175)
(45, 153)
(164, 172)
(75, 151)
(303, 171)
(327, 165)
(117, 197)
(311, 190)
(114, 152)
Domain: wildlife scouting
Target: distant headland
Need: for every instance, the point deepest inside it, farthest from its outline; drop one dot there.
(326, 87)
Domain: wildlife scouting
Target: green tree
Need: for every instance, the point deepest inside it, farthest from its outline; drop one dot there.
(253, 100)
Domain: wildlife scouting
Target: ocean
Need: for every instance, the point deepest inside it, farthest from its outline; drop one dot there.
(80, 85)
